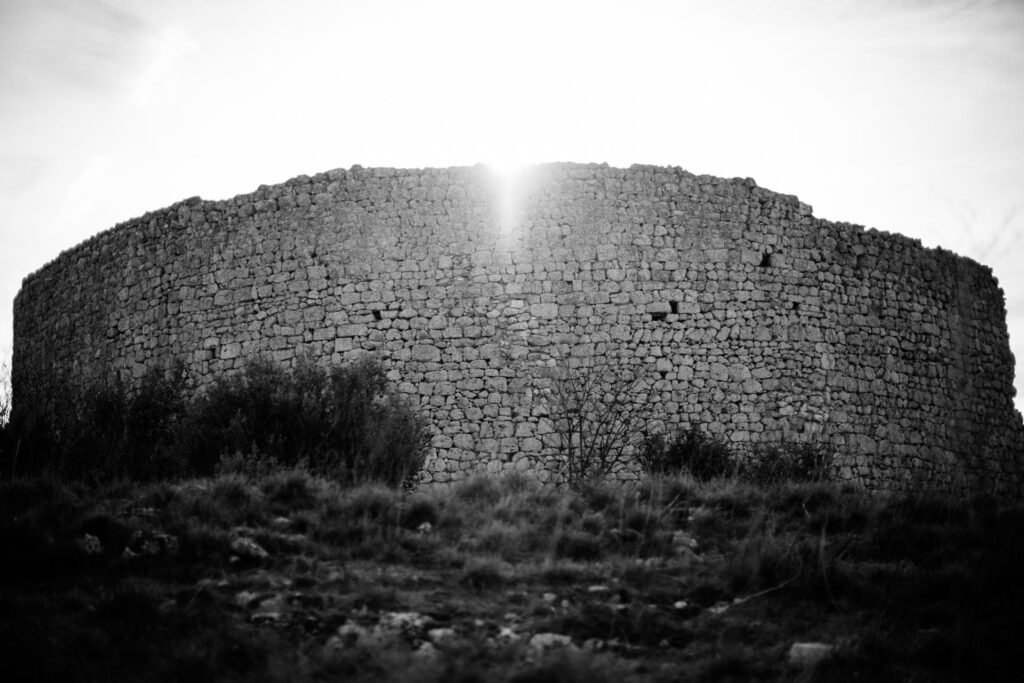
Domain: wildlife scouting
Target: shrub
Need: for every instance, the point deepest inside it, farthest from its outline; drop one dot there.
(691, 450)
(787, 461)
(104, 431)
(345, 423)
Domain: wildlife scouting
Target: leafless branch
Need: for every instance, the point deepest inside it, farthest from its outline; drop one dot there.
(597, 412)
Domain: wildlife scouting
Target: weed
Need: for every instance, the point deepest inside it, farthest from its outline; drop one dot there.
(346, 423)
(418, 511)
(702, 455)
(578, 545)
(478, 489)
(483, 573)
(374, 503)
(289, 490)
(572, 666)
(788, 461)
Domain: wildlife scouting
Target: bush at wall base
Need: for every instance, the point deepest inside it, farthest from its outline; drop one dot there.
(346, 423)
(691, 450)
(787, 461)
(707, 457)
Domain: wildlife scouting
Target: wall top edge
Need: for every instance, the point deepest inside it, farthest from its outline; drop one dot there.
(455, 173)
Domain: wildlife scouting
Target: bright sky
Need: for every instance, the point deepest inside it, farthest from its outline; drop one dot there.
(905, 115)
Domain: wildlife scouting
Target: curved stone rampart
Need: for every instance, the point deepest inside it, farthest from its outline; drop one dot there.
(745, 313)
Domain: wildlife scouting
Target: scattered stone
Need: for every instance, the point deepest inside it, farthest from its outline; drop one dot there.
(270, 609)
(410, 625)
(149, 543)
(542, 642)
(719, 608)
(90, 545)
(144, 543)
(683, 541)
(549, 597)
(507, 635)
(426, 651)
(442, 636)
(347, 636)
(680, 604)
(809, 654)
(425, 528)
(139, 512)
(248, 549)
(598, 589)
(168, 543)
(246, 599)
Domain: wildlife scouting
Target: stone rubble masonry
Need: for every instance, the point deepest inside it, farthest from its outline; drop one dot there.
(745, 314)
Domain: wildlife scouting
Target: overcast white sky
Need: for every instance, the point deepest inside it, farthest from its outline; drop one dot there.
(904, 115)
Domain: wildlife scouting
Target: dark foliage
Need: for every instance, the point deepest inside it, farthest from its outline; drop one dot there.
(706, 457)
(787, 461)
(103, 431)
(345, 423)
(691, 450)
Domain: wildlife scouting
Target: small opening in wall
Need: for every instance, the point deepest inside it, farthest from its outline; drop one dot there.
(796, 305)
(674, 305)
(658, 316)
(766, 260)
(376, 314)
(860, 260)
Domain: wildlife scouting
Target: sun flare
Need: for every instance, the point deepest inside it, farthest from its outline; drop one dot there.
(508, 177)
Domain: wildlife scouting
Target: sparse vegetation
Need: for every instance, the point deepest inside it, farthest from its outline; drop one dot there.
(291, 576)
(705, 457)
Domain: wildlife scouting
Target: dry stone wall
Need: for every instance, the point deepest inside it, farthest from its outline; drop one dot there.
(744, 313)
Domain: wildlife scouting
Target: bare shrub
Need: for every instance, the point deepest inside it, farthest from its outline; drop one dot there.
(598, 412)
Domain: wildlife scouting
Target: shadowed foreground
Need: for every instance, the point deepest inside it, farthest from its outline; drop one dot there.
(289, 577)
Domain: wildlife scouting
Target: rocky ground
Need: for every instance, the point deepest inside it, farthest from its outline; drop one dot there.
(289, 577)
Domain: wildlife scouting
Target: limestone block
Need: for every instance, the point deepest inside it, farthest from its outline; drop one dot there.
(544, 310)
(425, 353)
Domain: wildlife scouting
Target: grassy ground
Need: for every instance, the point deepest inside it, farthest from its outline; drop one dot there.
(289, 577)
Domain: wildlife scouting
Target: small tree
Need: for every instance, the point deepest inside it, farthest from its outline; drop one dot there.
(5, 395)
(347, 422)
(598, 412)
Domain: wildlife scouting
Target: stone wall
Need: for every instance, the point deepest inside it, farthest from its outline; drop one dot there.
(744, 313)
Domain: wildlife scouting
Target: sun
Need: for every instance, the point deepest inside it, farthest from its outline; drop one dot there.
(508, 175)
